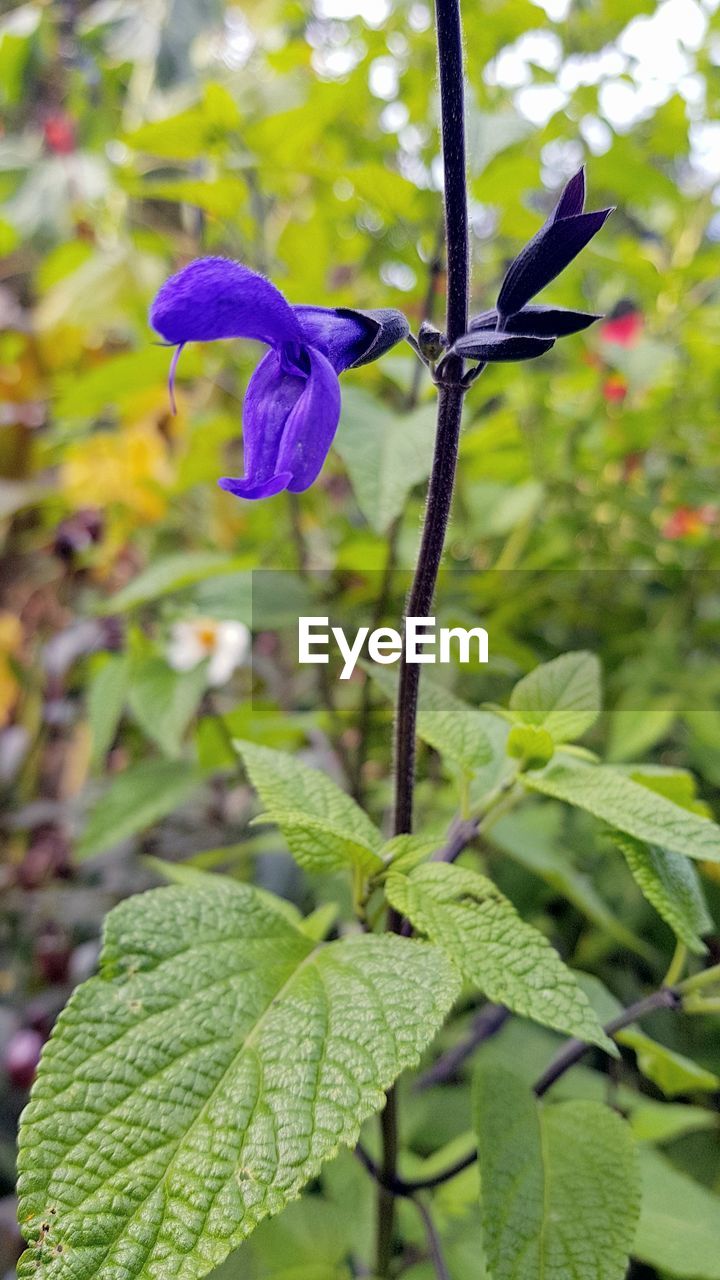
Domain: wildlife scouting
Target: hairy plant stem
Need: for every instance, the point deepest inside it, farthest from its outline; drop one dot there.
(435, 267)
(437, 513)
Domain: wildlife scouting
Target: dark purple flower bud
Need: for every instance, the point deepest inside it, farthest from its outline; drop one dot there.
(493, 347)
(572, 198)
(537, 321)
(567, 231)
(292, 405)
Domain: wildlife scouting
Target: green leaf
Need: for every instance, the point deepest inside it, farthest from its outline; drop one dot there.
(314, 839)
(172, 573)
(665, 1121)
(563, 696)
(186, 874)
(461, 733)
(386, 453)
(534, 747)
(406, 852)
(105, 700)
(559, 1184)
(202, 1079)
(634, 809)
(112, 382)
(678, 785)
(671, 884)
(533, 836)
(135, 800)
(634, 730)
(494, 949)
(672, 1072)
(324, 827)
(164, 701)
(679, 1228)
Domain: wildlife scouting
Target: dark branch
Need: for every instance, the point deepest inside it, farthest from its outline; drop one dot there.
(574, 1050)
(433, 1242)
(569, 1055)
(485, 1025)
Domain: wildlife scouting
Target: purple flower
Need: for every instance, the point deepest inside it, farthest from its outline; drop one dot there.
(512, 330)
(292, 405)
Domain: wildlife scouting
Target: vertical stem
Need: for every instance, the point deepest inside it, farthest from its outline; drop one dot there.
(450, 400)
(437, 513)
(385, 1197)
(412, 399)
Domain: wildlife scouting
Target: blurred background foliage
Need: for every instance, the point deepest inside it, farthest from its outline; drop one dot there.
(301, 139)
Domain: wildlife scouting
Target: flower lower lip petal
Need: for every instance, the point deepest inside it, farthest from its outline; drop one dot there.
(245, 488)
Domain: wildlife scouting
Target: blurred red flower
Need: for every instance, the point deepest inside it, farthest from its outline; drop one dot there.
(685, 522)
(59, 133)
(624, 326)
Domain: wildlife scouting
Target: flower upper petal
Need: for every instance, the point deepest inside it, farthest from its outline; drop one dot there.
(216, 298)
(348, 337)
(342, 336)
(545, 256)
(539, 321)
(289, 421)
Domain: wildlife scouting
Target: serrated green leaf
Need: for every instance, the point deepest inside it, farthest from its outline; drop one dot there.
(671, 884)
(494, 949)
(172, 573)
(563, 696)
(535, 747)
(534, 838)
(308, 837)
(616, 799)
(105, 701)
(461, 733)
(672, 1072)
(386, 453)
(678, 785)
(187, 875)
(164, 701)
(135, 800)
(679, 1227)
(323, 826)
(559, 1184)
(408, 851)
(195, 1086)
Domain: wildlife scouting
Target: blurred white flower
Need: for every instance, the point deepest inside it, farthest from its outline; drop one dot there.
(225, 644)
